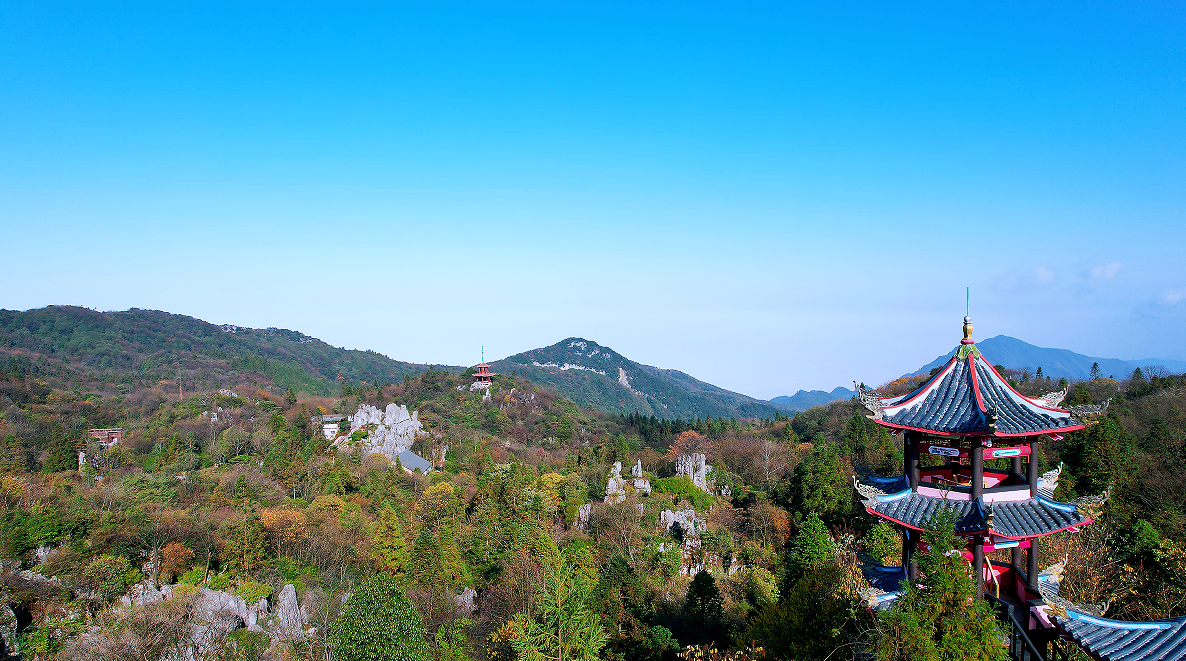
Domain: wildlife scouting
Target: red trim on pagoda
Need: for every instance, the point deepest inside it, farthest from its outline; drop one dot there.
(1014, 391)
(483, 374)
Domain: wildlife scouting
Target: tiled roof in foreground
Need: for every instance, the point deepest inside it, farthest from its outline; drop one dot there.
(968, 397)
(1017, 519)
(1113, 640)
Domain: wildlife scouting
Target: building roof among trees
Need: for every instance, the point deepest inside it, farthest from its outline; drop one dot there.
(1113, 640)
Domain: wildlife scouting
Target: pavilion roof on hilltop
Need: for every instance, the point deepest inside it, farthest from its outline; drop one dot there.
(968, 397)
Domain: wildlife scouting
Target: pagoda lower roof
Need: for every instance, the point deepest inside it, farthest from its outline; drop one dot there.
(1114, 640)
(1014, 519)
(968, 397)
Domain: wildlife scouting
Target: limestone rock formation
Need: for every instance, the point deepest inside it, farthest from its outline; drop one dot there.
(640, 482)
(8, 641)
(683, 523)
(290, 619)
(694, 467)
(615, 489)
(390, 431)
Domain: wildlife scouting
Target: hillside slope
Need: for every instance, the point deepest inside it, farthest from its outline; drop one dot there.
(1055, 363)
(137, 347)
(600, 378)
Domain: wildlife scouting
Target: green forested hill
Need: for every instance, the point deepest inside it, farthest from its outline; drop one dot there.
(600, 378)
(136, 347)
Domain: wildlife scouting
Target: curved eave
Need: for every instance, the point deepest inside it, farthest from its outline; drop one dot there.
(984, 531)
(941, 432)
(1037, 402)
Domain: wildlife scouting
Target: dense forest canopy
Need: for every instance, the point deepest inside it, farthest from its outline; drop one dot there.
(546, 529)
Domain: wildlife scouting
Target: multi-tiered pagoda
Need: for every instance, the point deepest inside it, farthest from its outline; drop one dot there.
(483, 375)
(965, 415)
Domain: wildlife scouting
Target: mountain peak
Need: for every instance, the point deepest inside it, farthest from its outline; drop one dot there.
(596, 376)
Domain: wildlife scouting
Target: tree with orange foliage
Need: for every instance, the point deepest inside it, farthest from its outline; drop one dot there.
(285, 526)
(690, 442)
(176, 558)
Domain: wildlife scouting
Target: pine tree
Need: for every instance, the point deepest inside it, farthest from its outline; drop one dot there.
(562, 626)
(939, 619)
(813, 549)
(425, 568)
(388, 546)
(703, 610)
(452, 568)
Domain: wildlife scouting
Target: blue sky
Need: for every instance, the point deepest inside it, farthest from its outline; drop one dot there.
(768, 197)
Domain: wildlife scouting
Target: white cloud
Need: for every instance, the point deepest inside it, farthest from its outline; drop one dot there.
(1105, 272)
(1043, 275)
(1174, 296)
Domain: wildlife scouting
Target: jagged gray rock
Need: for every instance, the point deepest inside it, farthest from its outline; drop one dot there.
(615, 489)
(694, 467)
(290, 618)
(8, 641)
(641, 483)
(394, 430)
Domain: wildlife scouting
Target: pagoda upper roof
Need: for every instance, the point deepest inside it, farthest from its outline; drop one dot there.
(1011, 519)
(968, 397)
(1114, 640)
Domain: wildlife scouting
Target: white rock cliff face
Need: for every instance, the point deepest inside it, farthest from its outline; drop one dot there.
(694, 467)
(615, 488)
(394, 430)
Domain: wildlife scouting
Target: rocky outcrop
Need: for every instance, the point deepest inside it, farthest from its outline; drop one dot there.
(583, 513)
(615, 489)
(8, 642)
(641, 483)
(683, 524)
(289, 616)
(694, 466)
(389, 432)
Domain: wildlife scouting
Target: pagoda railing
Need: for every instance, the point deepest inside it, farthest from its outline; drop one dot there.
(1021, 648)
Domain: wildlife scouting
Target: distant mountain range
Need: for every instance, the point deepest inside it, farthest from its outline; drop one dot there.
(145, 346)
(1055, 363)
(598, 377)
(805, 399)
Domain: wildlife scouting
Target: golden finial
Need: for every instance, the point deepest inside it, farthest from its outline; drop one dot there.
(968, 331)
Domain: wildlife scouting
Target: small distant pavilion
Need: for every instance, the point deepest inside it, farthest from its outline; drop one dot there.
(483, 374)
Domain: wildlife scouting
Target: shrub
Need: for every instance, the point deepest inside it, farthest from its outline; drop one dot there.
(379, 624)
(253, 591)
(682, 488)
(191, 577)
(220, 582)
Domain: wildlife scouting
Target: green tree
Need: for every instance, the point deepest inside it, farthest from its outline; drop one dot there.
(883, 542)
(820, 485)
(388, 546)
(562, 625)
(1099, 457)
(813, 548)
(290, 397)
(620, 600)
(703, 610)
(379, 623)
(938, 619)
(817, 617)
(426, 568)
